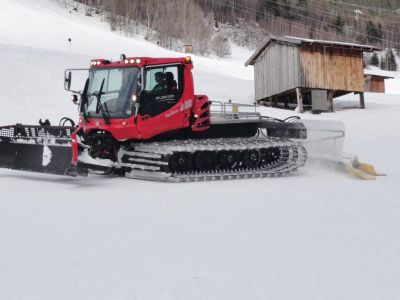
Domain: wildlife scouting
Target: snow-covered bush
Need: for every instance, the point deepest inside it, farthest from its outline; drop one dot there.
(220, 45)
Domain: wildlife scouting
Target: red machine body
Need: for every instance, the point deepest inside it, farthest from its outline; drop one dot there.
(185, 113)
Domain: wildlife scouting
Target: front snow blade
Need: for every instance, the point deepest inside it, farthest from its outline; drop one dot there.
(36, 148)
(35, 157)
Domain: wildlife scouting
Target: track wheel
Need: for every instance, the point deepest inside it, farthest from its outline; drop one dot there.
(228, 159)
(205, 161)
(102, 145)
(252, 158)
(270, 155)
(180, 162)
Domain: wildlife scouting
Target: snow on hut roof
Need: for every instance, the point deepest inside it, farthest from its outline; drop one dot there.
(300, 41)
(380, 73)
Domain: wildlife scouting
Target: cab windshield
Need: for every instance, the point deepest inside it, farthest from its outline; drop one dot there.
(116, 97)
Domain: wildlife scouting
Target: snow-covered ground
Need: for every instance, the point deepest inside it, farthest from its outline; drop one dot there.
(317, 234)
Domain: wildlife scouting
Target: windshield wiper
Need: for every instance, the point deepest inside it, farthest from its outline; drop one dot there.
(99, 105)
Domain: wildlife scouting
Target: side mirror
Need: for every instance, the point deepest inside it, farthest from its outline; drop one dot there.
(67, 81)
(80, 76)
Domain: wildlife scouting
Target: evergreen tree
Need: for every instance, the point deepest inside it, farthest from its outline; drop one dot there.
(388, 62)
(391, 61)
(374, 34)
(338, 24)
(374, 60)
(383, 64)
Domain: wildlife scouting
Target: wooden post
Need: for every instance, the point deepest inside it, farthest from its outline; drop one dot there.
(274, 101)
(299, 100)
(330, 100)
(269, 101)
(362, 102)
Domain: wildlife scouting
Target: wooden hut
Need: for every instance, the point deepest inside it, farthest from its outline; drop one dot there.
(375, 80)
(185, 49)
(299, 72)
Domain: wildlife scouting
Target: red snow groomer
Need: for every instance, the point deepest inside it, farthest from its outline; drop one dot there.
(139, 118)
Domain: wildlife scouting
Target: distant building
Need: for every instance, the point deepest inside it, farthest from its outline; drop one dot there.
(375, 80)
(186, 49)
(305, 73)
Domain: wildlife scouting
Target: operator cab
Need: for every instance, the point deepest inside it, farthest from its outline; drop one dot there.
(163, 87)
(116, 90)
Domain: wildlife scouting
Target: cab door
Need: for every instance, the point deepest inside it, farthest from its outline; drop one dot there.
(161, 100)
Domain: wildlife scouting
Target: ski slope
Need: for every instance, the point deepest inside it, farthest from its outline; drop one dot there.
(318, 234)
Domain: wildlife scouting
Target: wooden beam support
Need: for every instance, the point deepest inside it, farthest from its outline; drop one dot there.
(274, 101)
(299, 100)
(269, 101)
(330, 100)
(362, 102)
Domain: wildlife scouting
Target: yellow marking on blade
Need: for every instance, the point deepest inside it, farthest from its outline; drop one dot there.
(356, 172)
(369, 169)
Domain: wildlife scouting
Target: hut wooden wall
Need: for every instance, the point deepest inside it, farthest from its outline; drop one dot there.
(330, 68)
(377, 84)
(276, 70)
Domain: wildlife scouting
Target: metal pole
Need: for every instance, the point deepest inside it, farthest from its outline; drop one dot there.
(362, 102)
(70, 46)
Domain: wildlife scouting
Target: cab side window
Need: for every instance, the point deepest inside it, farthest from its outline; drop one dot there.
(154, 79)
(163, 87)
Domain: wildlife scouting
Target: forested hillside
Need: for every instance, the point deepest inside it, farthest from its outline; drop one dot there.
(207, 24)
(372, 21)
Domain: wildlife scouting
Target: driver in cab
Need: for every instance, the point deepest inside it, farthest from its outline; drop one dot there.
(161, 84)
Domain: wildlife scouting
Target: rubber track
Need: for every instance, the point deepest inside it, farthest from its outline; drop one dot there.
(148, 160)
